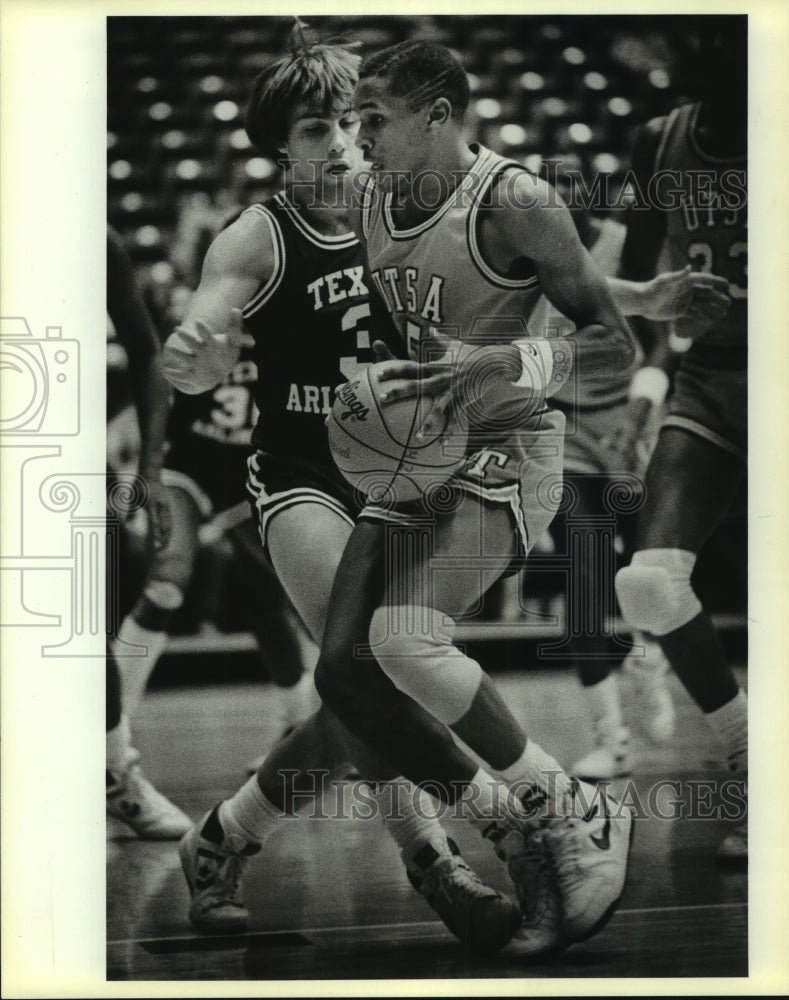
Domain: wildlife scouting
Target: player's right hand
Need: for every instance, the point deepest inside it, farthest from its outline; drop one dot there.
(196, 359)
(687, 294)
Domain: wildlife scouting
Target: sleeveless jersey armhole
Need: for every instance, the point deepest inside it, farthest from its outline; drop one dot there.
(665, 135)
(264, 293)
(500, 280)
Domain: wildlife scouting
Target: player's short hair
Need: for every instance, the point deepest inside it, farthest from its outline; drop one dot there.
(421, 72)
(321, 75)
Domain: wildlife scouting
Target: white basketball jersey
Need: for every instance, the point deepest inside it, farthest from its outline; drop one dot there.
(433, 275)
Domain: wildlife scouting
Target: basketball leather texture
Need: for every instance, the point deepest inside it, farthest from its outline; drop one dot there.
(375, 446)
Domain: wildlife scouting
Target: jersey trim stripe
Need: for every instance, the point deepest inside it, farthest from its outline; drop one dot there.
(468, 182)
(299, 494)
(366, 203)
(472, 223)
(278, 273)
(693, 142)
(668, 125)
(510, 495)
(694, 427)
(342, 242)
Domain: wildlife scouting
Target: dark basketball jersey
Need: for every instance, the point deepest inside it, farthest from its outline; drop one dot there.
(224, 415)
(209, 435)
(709, 228)
(311, 322)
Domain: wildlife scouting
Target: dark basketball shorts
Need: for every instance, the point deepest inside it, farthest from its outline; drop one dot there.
(275, 484)
(711, 402)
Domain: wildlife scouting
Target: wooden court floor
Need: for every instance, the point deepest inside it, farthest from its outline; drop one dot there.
(329, 899)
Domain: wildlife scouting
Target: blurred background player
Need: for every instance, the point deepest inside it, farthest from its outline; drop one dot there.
(295, 272)
(131, 798)
(699, 461)
(612, 422)
(208, 443)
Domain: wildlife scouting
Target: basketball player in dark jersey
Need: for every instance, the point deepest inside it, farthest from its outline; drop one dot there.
(290, 274)
(131, 798)
(700, 459)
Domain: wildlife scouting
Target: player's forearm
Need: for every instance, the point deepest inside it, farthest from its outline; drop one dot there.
(631, 297)
(607, 341)
(152, 399)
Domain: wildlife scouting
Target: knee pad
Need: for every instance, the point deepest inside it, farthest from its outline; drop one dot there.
(165, 594)
(654, 591)
(416, 652)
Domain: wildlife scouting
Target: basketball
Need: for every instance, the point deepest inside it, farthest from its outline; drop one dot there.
(375, 446)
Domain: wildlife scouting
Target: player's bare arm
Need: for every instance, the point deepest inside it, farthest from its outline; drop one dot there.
(537, 226)
(673, 295)
(205, 347)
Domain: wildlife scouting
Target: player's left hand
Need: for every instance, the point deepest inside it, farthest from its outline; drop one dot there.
(687, 294)
(197, 358)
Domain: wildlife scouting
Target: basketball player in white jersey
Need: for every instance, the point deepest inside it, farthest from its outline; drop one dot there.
(461, 244)
(699, 462)
(297, 271)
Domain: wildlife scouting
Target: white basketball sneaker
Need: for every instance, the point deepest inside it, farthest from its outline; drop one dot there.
(213, 863)
(589, 844)
(132, 799)
(610, 758)
(652, 704)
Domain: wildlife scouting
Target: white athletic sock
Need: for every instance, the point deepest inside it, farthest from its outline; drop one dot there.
(536, 768)
(249, 814)
(605, 704)
(487, 802)
(730, 723)
(135, 670)
(119, 749)
(411, 817)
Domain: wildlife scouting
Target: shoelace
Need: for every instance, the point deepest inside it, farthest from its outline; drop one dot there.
(566, 852)
(538, 866)
(227, 877)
